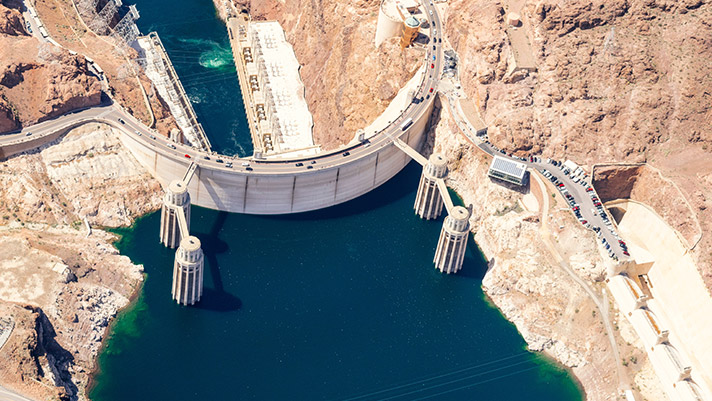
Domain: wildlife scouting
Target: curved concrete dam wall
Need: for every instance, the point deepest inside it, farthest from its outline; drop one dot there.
(299, 190)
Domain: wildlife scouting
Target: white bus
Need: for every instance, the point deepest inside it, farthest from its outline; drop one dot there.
(406, 124)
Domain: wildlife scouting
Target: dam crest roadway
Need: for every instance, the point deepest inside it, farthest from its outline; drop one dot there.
(265, 186)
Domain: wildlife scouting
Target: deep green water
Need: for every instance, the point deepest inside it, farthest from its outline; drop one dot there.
(340, 304)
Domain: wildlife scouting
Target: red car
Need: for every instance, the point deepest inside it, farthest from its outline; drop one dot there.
(432, 65)
(431, 90)
(187, 156)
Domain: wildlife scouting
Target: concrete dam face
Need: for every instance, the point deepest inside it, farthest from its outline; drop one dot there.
(295, 189)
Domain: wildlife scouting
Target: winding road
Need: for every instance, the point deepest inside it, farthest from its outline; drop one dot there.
(117, 117)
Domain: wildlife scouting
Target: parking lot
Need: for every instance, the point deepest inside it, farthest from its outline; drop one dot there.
(583, 201)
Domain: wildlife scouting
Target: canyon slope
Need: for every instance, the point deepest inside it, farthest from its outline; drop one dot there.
(38, 81)
(60, 283)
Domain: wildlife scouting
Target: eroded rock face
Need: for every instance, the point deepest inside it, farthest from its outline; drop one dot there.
(11, 21)
(72, 284)
(615, 80)
(41, 81)
(620, 81)
(551, 311)
(8, 120)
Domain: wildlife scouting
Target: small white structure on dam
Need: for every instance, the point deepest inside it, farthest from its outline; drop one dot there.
(428, 200)
(175, 198)
(453, 241)
(392, 17)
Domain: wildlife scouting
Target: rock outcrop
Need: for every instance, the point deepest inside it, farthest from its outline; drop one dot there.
(41, 81)
(623, 81)
(11, 21)
(525, 281)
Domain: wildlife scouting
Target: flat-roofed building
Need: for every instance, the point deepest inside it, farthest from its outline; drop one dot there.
(508, 170)
(281, 107)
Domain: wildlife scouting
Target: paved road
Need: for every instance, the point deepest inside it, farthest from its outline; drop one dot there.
(117, 117)
(583, 199)
(589, 212)
(7, 395)
(601, 304)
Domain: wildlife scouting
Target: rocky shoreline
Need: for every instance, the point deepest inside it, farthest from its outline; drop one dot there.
(551, 311)
(67, 286)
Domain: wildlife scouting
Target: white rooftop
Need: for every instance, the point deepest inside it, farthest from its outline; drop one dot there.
(293, 123)
(508, 166)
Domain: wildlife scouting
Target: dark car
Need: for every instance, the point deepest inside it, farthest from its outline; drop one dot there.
(299, 164)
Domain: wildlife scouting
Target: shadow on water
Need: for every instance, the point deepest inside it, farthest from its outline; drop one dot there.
(216, 298)
(474, 265)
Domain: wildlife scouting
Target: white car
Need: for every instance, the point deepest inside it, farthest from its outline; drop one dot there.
(245, 164)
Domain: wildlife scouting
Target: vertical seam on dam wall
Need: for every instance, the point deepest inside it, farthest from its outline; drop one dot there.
(294, 186)
(197, 172)
(244, 199)
(336, 185)
(375, 169)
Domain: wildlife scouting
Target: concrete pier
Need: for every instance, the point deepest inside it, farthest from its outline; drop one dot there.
(429, 201)
(176, 197)
(450, 252)
(188, 272)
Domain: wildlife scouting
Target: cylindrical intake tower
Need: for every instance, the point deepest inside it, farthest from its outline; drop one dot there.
(428, 200)
(176, 195)
(450, 252)
(188, 272)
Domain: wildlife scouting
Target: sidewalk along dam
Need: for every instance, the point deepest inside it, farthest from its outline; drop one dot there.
(294, 177)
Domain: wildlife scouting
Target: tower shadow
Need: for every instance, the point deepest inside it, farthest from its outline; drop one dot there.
(216, 298)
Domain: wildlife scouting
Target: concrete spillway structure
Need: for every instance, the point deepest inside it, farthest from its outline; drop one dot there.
(176, 197)
(188, 272)
(429, 201)
(450, 252)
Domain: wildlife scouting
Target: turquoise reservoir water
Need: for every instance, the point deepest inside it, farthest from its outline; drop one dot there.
(340, 304)
(197, 42)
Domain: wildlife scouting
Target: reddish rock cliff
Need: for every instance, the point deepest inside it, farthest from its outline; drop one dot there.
(38, 82)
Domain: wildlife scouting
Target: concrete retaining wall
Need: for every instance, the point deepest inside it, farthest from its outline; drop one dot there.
(31, 143)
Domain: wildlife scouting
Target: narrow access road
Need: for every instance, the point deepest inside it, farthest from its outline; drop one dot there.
(601, 304)
(7, 395)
